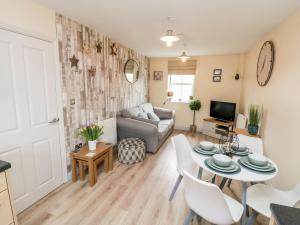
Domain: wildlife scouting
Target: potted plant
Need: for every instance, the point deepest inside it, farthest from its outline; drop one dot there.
(255, 114)
(195, 106)
(91, 134)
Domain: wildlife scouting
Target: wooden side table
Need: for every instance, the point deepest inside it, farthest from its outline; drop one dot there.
(103, 152)
(245, 132)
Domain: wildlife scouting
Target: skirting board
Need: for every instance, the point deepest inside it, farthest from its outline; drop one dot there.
(187, 128)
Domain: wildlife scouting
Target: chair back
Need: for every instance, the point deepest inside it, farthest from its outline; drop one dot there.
(254, 144)
(183, 152)
(241, 121)
(295, 194)
(206, 200)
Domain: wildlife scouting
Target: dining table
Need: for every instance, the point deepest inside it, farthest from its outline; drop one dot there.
(245, 176)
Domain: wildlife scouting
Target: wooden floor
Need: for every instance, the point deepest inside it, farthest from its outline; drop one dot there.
(129, 195)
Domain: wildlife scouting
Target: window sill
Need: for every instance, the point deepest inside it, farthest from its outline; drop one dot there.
(182, 102)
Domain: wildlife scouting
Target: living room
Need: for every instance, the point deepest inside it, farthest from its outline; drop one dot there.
(156, 112)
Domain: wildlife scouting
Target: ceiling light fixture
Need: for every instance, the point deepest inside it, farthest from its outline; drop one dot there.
(169, 38)
(183, 57)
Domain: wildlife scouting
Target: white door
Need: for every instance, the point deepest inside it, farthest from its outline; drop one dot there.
(27, 104)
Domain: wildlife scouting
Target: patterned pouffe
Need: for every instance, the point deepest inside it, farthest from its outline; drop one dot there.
(131, 150)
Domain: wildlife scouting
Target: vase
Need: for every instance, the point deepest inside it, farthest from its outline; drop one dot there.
(253, 129)
(193, 128)
(92, 145)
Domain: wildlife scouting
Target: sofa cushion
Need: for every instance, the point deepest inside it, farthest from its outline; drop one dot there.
(168, 123)
(163, 113)
(143, 115)
(130, 112)
(153, 116)
(147, 107)
(155, 123)
(162, 130)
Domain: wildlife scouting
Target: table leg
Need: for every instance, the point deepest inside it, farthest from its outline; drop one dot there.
(95, 173)
(200, 172)
(81, 171)
(106, 164)
(91, 173)
(74, 176)
(223, 182)
(110, 163)
(244, 202)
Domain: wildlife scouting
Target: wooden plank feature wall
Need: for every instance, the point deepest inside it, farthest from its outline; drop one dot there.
(89, 99)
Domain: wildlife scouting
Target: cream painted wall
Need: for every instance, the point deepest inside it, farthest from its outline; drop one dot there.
(205, 90)
(25, 16)
(280, 98)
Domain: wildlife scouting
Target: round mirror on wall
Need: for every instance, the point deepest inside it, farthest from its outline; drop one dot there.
(131, 71)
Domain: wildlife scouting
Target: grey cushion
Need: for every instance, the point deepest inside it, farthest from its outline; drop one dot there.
(163, 113)
(147, 107)
(143, 115)
(145, 120)
(169, 123)
(130, 112)
(162, 131)
(153, 116)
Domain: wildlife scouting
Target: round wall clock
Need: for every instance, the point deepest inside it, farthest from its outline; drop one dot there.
(265, 63)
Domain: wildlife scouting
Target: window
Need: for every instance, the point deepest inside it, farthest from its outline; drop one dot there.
(182, 87)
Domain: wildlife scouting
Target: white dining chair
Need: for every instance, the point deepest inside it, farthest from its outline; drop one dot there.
(208, 201)
(253, 143)
(260, 196)
(184, 160)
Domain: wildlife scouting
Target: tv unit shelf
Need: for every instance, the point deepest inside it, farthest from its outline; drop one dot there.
(215, 128)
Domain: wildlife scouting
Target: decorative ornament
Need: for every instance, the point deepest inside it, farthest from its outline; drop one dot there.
(86, 49)
(99, 46)
(229, 143)
(113, 49)
(237, 76)
(74, 61)
(92, 71)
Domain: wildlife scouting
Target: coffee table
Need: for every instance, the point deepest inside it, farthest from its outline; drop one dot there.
(91, 158)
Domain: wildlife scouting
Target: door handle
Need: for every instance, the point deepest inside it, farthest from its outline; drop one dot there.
(55, 120)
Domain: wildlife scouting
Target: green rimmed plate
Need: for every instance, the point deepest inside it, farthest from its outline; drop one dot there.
(269, 168)
(205, 152)
(232, 169)
(241, 153)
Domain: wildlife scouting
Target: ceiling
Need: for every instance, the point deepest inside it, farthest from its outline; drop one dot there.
(209, 26)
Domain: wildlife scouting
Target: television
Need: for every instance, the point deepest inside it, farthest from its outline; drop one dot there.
(223, 111)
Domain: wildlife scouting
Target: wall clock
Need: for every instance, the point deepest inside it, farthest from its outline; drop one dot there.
(265, 63)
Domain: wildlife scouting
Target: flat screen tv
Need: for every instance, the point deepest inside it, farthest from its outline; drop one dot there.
(224, 111)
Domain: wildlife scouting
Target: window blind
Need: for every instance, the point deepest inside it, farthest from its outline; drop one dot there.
(176, 67)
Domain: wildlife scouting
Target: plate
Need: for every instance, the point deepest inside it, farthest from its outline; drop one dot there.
(244, 161)
(204, 152)
(233, 168)
(239, 153)
(243, 150)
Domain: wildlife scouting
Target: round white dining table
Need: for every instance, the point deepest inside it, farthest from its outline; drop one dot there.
(245, 176)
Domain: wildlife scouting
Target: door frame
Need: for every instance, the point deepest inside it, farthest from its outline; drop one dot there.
(54, 42)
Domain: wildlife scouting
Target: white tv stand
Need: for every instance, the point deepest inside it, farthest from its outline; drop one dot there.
(215, 128)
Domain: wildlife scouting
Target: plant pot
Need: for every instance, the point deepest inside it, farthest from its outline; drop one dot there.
(193, 128)
(252, 129)
(92, 145)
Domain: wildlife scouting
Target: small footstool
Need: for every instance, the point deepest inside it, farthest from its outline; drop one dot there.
(131, 150)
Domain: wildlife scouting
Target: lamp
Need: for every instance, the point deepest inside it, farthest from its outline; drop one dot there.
(169, 38)
(183, 56)
(169, 97)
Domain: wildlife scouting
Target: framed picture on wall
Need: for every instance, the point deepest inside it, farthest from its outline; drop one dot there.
(217, 72)
(158, 75)
(217, 78)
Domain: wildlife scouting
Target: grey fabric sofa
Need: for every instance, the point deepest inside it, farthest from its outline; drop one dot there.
(154, 133)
